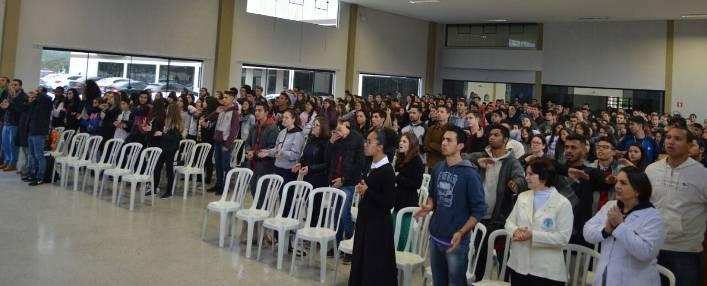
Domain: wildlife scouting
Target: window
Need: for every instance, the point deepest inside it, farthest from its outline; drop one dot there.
(319, 12)
(489, 91)
(116, 72)
(276, 79)
(604, 98)
(511, 36)
(370, 84)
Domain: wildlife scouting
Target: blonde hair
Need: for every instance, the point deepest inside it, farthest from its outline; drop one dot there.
(174, 118)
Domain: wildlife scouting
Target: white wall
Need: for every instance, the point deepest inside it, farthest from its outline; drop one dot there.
(629, 55)
(270, 41)
(175, 28)
(690, 68)
(390, 44)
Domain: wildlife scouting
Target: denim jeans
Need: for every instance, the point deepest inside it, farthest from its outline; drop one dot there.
(346, 224)
(687, 266)
(37, 162)
(223, 161)
(9, 135)
(448, 268)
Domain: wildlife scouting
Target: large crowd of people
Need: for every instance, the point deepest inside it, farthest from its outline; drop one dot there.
(548, 174)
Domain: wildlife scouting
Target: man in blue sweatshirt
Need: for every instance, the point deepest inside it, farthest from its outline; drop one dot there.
(456, 196)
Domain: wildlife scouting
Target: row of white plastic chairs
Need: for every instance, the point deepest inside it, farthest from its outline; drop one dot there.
(117, 161)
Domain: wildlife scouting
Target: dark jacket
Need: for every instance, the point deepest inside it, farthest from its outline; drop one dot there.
(505, 198)
(346, 155)
(262, 136)
(313, 157)
(73, 108)
(40, 117)
(15, 109)
(432, 144)
(409, 179)
(107, 129)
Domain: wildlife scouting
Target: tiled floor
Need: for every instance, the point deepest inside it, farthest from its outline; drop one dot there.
(54, 236)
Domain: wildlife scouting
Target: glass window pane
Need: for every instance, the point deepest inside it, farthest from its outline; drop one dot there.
(142, 72)
(375, 84)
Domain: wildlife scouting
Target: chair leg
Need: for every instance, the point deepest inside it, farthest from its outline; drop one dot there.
(119, 194)
(154, 190)
(76, 178)
(407, 276)
(322, 262)
(132, 195)
(249, 239)
(116, 195)
(176, 182)
(203, 184)
(260, 242)
(222, 228)
(186, 184)
(83, 179)
(282, 247)
(336, 265)
(295, 246)
(96, 176)
(203, 225)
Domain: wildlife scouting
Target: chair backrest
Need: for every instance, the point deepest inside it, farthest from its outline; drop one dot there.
(111, 151)
(90, 149)
(128, 156)
(77, 145)
(422, 194)
(417, 238)
(64, 137)
(235, 160)
(300, 196)
(148, 161)
(184, 151)
(59, 129)
(490, 256)
(356, 199)
(242, 178)
(667, 273)
(270, 184)
(199, 155)
(478, 234)
(426, 181)
(577, 261)
(326, 218)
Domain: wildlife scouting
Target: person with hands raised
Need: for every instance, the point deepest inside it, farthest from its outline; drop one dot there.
(456, 196)
(631, 232)
(540, 224)
(373, 260)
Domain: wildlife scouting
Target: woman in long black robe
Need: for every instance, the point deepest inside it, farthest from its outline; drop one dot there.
(373, 261)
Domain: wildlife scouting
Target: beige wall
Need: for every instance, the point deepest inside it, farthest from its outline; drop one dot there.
(690, 68)
(390, 44)
(153, 27)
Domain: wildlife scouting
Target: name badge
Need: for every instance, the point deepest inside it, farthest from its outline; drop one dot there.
(548, 223)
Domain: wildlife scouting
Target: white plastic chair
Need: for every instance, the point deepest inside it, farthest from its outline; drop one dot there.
(345, 247)
(62, 146)
(86, 156)
(415, 251)
(75, 148)
(193, 167)
(183, 152)
(226, 206)
(591, 274)
(142, 176)
(422, 194)
(354, 207)
(426, 181)
(235, 159)
(479, 234)
(129, 154)
(287, 220)
(111, 151)
(577, 261)
(324, 230)
(260, 209)
(491, 279)
(667, 273)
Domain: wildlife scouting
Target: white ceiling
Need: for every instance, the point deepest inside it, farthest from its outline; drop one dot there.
(479, 11)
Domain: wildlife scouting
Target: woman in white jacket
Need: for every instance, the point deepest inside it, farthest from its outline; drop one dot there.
(541, 224)
(630, 231)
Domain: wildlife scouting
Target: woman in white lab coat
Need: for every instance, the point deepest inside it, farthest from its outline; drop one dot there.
(541, 224)
(630, 231)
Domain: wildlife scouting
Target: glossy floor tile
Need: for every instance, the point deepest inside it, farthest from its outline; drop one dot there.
(53, 236)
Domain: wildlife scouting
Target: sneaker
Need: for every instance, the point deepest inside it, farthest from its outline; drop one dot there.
(9, 168)
(36, 183)
(212, 189)
(27, 179)
(166, 195)
(346, 259)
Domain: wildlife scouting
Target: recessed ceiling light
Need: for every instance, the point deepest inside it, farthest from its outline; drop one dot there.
(423, 1)
(497, 20)
(694, 16)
